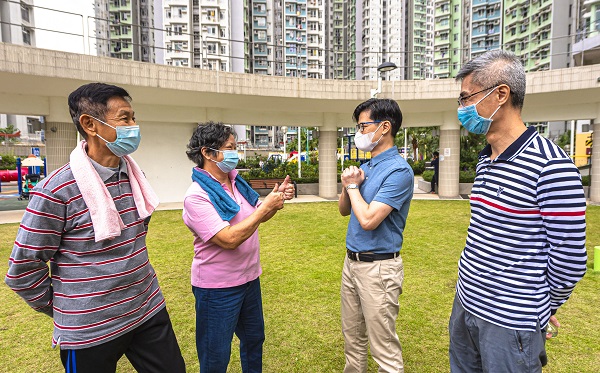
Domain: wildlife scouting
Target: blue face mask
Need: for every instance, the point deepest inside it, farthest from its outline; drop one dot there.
(128, 139)
(472, 121)
(229, 162)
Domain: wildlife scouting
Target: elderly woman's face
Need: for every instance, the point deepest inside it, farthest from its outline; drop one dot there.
(229, 144)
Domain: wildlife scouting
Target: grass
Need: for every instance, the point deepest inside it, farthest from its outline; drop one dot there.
(302, 250)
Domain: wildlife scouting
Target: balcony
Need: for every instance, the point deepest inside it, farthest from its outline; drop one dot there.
(259, 51)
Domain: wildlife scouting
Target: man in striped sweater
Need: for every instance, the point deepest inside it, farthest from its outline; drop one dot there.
(525, 247)
(102, 294)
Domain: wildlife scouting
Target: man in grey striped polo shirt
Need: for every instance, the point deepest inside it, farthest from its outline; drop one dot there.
(525, 247)
(102, 294)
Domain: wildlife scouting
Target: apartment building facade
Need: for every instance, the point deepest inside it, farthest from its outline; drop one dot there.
(17, 26)
(17, 22)
(125, 29)
(586, 47)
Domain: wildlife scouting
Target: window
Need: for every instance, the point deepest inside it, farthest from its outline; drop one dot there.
(26, 36)
(25, 13)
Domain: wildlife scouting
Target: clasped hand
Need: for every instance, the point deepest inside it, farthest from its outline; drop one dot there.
(352, 175)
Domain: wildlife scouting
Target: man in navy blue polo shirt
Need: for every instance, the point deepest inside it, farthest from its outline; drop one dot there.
(525, 247)
(377, 197)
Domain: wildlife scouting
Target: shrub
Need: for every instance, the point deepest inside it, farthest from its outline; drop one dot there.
(585, 180)
(417, 166)
(428, 175)
(8, 162)
(464, 176)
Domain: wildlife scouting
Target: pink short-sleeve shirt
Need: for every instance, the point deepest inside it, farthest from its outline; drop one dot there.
(213, 266)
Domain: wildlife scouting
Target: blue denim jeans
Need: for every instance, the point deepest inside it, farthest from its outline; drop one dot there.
(219, 314)
(480, 346)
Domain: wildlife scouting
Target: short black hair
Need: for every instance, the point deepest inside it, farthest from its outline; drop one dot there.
(92, 99)
(381, 109)
(207, 135)
(436, 154)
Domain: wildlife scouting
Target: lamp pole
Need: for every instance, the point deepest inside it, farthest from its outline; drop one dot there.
(384, 67)
(298, 131)
(284, 131)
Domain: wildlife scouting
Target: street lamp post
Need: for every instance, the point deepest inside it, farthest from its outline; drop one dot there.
(384, 67)
(284, 131)
(299, 132)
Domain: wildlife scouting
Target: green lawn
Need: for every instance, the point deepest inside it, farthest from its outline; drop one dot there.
(302, 252)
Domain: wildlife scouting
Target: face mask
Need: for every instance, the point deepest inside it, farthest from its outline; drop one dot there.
(229, 162)
(472, 121)
(365, 142)
(128, 139)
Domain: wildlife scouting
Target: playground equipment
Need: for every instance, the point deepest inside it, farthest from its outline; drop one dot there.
(12, 175)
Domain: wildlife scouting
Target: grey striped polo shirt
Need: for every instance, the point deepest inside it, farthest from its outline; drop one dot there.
(95, 291)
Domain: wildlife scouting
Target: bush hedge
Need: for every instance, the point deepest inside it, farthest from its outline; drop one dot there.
(8, 162)
(464, 176)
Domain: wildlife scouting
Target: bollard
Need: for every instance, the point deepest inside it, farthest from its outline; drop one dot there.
(596, 258)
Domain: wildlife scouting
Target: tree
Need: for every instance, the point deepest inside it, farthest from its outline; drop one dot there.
(470, 147)
(313, 142)
(564, 139)
(10, 134)
(420, 138)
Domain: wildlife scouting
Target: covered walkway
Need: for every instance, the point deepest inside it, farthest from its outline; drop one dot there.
(170, 101)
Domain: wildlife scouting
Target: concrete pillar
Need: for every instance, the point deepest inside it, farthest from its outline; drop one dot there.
(327, 158)
(449, 156)
(61, 139)
(595, 170)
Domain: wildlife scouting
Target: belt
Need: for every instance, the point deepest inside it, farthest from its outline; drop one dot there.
(370, 257)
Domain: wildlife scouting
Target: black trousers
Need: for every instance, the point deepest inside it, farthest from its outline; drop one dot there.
(151, 347)
(434, 181)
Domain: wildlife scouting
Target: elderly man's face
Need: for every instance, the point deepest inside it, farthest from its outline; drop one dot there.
(119, 113)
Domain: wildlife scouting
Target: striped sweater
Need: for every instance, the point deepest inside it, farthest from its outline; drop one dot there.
(525, 248)
(94, 291)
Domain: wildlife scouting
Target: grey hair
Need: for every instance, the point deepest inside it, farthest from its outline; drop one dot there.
(494, 68)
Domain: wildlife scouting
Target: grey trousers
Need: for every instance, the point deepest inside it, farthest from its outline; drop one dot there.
(480, 346)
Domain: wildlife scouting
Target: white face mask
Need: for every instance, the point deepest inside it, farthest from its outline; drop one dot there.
(365, 142)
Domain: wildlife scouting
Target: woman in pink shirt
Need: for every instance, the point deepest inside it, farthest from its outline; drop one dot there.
(223, 213)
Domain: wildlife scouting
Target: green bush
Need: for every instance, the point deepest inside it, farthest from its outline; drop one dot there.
(428, 175)
(8, 162)
(464, 176)
(417, 166)
(585, 180)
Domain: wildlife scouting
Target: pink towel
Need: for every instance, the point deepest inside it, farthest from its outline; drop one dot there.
(105, 218)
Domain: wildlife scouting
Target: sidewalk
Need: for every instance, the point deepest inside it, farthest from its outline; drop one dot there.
(15, 216)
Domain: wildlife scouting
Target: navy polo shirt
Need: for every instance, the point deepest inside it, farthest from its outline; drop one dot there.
(388, 179)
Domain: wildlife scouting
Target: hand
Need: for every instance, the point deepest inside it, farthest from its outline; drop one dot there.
(553, 321)
(352, 175)
(287, 189)
(274, 200)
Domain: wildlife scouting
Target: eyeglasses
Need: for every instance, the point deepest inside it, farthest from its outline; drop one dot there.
(361, 126)
(461, 100)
